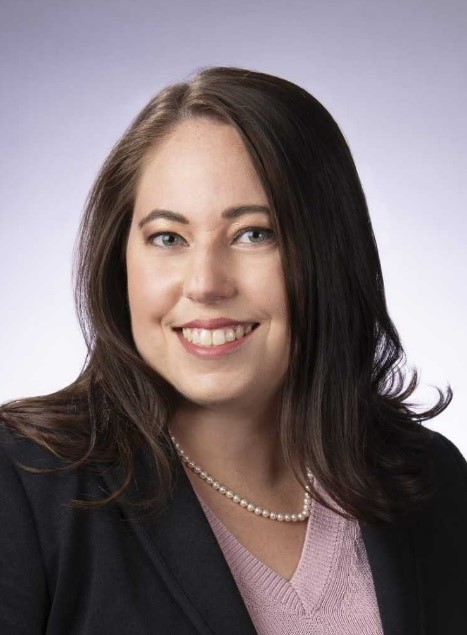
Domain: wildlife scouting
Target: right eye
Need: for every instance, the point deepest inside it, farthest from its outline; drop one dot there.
(150, 239)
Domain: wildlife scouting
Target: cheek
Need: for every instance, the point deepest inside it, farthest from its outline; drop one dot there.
(150, 294)
(270, 287)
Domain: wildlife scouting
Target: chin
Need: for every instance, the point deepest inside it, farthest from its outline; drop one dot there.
(212, 395)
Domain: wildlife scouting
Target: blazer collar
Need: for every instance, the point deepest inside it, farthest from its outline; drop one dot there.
(183, 548)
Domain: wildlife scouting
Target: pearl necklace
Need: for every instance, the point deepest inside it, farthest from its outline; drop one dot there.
(249, 506)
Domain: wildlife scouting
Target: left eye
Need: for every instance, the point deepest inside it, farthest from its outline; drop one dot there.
(257, 230)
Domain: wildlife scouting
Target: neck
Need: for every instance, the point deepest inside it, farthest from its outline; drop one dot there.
(237, 448)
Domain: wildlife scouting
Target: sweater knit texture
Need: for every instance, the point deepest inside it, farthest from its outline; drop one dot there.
(331, 591)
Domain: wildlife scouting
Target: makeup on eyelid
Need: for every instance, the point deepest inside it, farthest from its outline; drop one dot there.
(270, 235)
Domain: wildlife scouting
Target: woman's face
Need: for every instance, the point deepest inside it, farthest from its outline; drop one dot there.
(207, 266)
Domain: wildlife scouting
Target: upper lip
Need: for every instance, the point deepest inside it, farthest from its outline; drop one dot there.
(212, 323)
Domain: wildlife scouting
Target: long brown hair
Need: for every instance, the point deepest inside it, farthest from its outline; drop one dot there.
(344, 411)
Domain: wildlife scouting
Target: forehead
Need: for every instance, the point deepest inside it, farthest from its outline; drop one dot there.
(201, 164)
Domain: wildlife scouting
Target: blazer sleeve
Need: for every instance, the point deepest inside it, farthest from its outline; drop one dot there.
(24, 596)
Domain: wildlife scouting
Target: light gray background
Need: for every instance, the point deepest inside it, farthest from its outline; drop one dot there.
(73, 75)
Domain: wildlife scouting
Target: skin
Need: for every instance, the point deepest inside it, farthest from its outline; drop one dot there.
(207, 269)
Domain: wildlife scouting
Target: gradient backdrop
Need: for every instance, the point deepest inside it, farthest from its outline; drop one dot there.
(73, 75)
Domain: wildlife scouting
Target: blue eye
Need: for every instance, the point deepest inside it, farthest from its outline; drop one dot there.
(153, 236)
(261, 230)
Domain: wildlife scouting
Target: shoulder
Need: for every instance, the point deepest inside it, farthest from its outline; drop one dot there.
(23, 584)
(40, 505)
(16, 450)
(14, 447)
(444, 517)
(47, 494)
(449, 463)
(437, 541)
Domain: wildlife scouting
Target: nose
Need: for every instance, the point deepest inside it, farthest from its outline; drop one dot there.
(208, 276)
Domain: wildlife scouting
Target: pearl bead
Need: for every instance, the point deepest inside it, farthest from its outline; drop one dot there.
(259, 511)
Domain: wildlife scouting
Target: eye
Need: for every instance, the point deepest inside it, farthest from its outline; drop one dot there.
(255, 231)
(163, 243)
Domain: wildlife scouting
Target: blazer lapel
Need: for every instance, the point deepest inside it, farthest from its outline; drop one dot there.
(392, 564)
(182, 546)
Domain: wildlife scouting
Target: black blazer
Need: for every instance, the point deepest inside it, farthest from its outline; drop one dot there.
(73, 572)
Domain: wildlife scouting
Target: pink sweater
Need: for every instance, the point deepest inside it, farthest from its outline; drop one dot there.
(331, 591)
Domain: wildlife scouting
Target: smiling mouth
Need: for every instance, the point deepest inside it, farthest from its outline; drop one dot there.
(212, 338)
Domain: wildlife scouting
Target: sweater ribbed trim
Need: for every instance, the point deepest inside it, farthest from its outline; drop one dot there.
(320, 553)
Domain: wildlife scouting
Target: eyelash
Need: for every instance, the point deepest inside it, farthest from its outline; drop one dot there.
(243, 231)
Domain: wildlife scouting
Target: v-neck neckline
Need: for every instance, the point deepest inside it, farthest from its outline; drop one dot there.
(296, 594)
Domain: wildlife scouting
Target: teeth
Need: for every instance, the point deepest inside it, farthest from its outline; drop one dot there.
(229, 335)
(239, 332)
(205, 337)
(221, 337)
(215, 337)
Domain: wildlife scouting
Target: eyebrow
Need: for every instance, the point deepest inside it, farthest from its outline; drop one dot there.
(229, 213)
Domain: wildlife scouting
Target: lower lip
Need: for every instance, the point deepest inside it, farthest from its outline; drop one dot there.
(214, 351)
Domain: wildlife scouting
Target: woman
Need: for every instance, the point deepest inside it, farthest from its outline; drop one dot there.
(242, 390)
